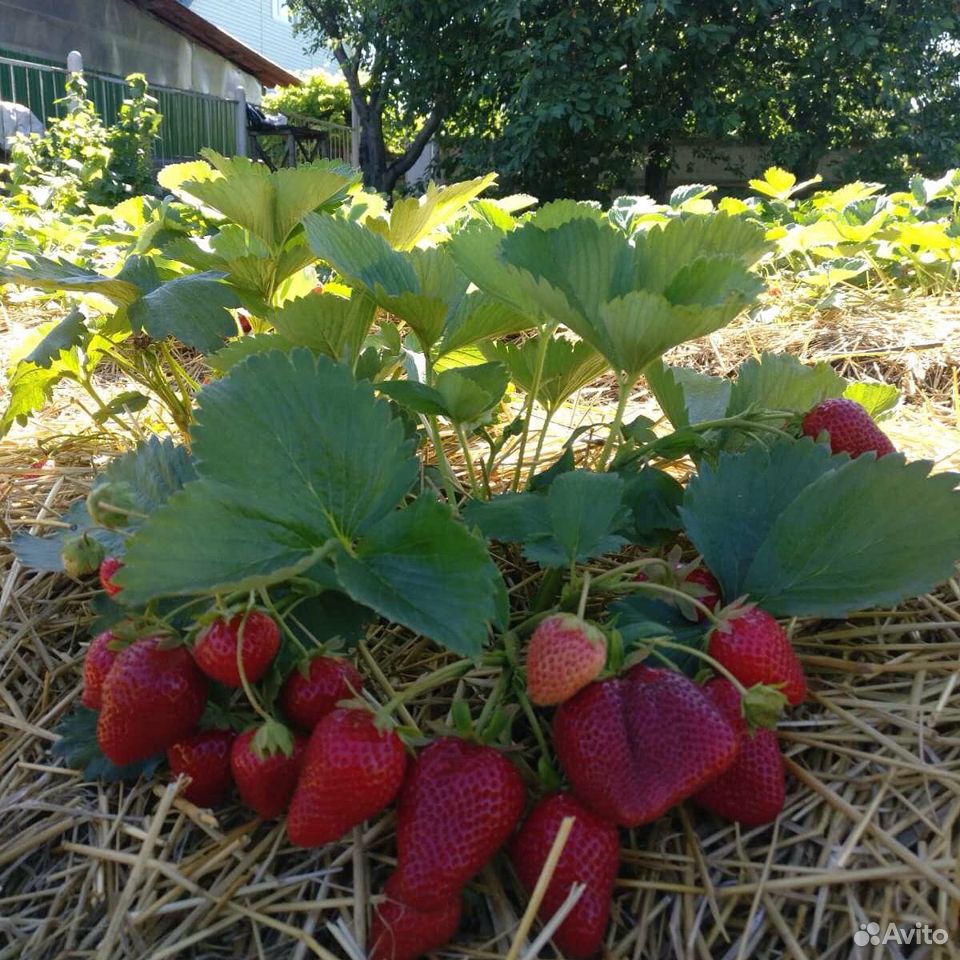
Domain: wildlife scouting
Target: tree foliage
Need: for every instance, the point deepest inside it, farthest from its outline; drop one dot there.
(568, 97)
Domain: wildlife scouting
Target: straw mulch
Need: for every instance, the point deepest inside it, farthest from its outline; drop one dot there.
(869, 832)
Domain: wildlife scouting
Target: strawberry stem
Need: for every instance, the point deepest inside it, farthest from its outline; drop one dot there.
(281, 623)
(649, 586)
(437, 678)
(700, 654)
(244, 682)
(584, 593)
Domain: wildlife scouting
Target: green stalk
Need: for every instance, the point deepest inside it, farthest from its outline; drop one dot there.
(546, 335)
(624, 384)
(468, 459)
(547, 417)
(449, 480)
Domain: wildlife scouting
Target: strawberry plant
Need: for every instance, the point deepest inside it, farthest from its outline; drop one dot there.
(311, 499)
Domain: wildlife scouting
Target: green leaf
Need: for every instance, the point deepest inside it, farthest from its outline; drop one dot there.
(509, 517)
(479, 317)
(130, 401)
(687, 396)
(68, 333)
(729, 509)
(421, 569)
(845, 542)
(326, 323)
(568, 365)
(291, 453)
(583, 508)
(153, 472)
(79, 748)
(469, 392)
(192, 308)
(44, 553)
(779, 381)
(413, 219)
(415, 396)
(652, 498)
(30, 387)
(236, 351)
(56, 275)
(662, 251)
(268, 204)
(876, 398)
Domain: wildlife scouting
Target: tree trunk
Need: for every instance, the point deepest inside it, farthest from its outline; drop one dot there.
(657, 170)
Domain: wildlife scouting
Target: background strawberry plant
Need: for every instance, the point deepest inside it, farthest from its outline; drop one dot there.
(371, 461)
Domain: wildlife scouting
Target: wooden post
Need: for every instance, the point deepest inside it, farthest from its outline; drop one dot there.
(241, 121)
(74, 65)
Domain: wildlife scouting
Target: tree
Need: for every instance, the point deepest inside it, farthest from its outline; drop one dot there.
(583, 91)
(418, 59)
(879, 75)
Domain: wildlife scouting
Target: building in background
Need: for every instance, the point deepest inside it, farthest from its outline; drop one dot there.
(264, 26)
(195, 69)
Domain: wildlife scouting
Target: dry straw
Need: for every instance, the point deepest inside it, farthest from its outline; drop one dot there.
(869, 833)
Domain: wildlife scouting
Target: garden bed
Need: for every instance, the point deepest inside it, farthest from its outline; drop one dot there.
(868, 833)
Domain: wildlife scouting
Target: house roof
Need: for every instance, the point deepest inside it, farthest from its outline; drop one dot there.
(185, 21)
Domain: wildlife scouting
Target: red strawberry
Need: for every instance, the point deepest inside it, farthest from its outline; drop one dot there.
(151, 698)
(752, 790)
(205, 758)
(243, 319)
(308, 697)
(565, 654)
(352, 770)
(636, 745)
(265, 763)
(591, 856)
(850, 428)
(108, 568)
(216, 648)
(458, 805)
(709, 594)
(753, 647)
(402, 932)
(96, 666)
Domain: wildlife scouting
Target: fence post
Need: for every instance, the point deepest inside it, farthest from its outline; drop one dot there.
(74, 65)
(241, 122)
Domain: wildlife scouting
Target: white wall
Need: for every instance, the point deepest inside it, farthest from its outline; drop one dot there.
(116, 37)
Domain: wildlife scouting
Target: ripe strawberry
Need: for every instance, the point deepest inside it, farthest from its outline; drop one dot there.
(402, 932)
(591, 856)
(216, 648)
(752, 791)
(205, 758)
(96, 666)
(636, 745)
(850, 428)
(243, 319)
(753, 647)
(565, 654)
(151, 698)
(108, 568)
(308, 697)
(458, 805)
(265, 763)
(709, 593)
(351, 771)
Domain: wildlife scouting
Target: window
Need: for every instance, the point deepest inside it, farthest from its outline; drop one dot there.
(281, 11)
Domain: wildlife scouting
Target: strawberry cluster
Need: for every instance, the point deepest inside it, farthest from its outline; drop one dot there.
(634, 744)
(336, 765)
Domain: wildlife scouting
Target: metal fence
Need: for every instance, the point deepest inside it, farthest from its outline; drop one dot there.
(191, 120)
